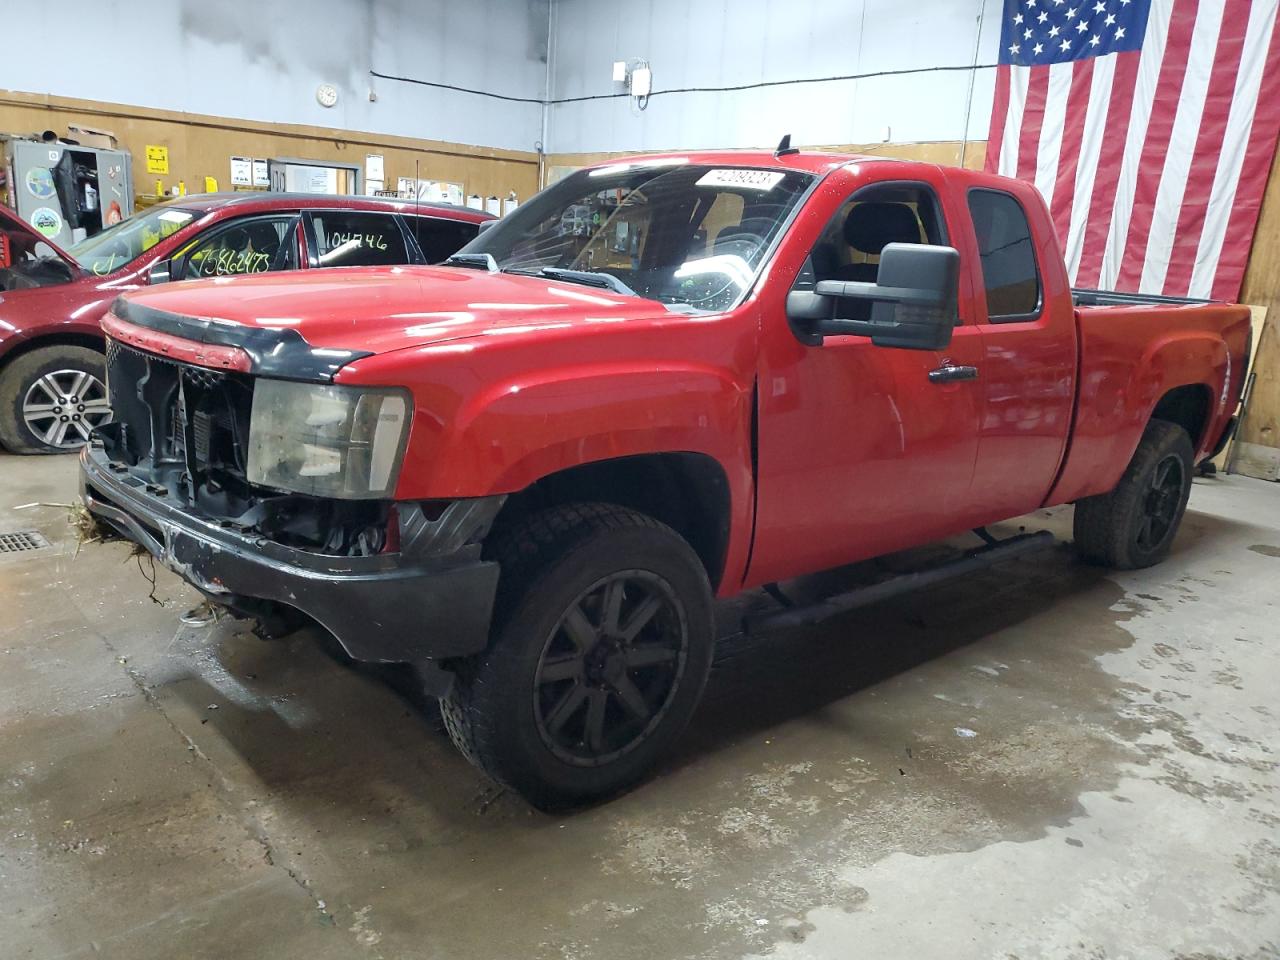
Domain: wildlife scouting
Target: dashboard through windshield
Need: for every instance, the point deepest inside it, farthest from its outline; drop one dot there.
(693, 236)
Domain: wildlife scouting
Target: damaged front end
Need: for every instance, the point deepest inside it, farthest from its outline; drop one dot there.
(178, 471)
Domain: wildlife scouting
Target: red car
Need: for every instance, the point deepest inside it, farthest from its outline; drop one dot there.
(529, 472)
(52, 392)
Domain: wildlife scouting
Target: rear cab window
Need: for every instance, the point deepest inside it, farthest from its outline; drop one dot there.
(356, 238)
(1010, 273)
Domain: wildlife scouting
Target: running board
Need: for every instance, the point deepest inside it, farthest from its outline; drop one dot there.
(978, 559)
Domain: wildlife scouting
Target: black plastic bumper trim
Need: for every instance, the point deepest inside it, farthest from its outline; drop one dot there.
(380, 609)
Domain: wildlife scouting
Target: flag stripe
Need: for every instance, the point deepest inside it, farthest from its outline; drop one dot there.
(1247, 111)
(1032, 119)
(1155, 149)
(1093, 130)
(1149, 70)
(1019, 78)
(999, 115)
(1154, 265)
(1064, 190)
(1051, 130)
(1221, 100)
(1253, 177)
(1093, 243)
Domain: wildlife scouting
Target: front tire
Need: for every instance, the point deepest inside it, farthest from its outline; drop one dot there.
(51, 398)
(600, 650)
(1133, 526)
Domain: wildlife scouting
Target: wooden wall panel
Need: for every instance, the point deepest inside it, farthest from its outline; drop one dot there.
(201, 146)
(1259, 441)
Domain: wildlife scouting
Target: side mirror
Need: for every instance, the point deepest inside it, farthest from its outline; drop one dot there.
(485, 225)
(160, 272)
(913, 301)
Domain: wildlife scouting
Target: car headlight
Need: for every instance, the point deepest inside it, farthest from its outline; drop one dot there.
(327, 441)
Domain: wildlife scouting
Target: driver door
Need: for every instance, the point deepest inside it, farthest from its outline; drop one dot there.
(860, 451)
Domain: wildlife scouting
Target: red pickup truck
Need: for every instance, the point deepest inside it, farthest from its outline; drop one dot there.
(528, 472)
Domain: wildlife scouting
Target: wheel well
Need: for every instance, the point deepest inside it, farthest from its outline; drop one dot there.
(1188, 407)
(689, 492)
(53, 340)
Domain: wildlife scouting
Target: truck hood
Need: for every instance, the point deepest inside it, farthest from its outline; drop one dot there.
(380, 309)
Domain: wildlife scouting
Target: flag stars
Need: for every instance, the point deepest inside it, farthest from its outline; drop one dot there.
(1065, 45)
(1111, 18)
(1099, 7)
(1119, 33)
(1054, 31)
(1094, 41)
(1026, 34)
(1014, 48)
(1030, 4)
(1071, 13)
(1038, 49)
(1043, 17)
(1017, 18)
(1082, 27)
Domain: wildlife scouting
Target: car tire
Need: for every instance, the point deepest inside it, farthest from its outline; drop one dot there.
(51, 397)
(1133, 526)
(600, 648)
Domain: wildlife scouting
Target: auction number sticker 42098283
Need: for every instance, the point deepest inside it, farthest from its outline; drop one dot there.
(742, 179)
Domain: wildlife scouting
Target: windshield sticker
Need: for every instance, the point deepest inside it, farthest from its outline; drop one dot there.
(175, 216)
(742, 179)
(48, 221)
(40, 183)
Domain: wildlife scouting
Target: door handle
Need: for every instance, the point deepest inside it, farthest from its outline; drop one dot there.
(949, 373)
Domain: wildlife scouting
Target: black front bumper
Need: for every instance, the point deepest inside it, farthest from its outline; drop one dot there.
(383, 609)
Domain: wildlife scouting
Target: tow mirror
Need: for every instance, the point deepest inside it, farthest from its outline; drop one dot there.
(913, 301)
(485, 225)
(160, 271)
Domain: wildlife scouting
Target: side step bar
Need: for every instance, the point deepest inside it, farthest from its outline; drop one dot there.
(996, 551)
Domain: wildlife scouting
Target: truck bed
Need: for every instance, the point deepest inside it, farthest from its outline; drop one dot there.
(1085, 297)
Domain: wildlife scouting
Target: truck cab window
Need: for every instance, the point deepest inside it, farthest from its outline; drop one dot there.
(871, 219)
(1008, 257)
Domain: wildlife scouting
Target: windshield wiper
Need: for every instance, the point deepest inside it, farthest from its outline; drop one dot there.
(592, 278)
(483, 260)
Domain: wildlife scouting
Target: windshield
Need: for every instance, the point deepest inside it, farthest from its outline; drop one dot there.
(690, 235)
(117, 245)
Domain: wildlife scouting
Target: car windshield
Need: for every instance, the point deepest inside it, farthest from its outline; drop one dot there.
(127, 240)
(692, 236)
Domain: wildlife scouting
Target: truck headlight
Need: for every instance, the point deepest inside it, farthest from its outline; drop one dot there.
(327, 441)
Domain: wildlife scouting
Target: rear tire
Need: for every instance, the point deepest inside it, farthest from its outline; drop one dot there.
(601, 644)
(51, 397)
(1133, 526)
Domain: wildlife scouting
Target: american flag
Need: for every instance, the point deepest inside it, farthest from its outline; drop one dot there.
(1149, 127)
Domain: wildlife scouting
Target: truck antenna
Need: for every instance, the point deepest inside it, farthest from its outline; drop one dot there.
(785, 148)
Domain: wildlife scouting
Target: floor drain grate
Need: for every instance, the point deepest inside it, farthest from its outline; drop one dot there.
(22, 541)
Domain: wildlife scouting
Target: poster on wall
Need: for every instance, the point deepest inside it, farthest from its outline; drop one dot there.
(241, 172)
(157, 159)
(260, 178)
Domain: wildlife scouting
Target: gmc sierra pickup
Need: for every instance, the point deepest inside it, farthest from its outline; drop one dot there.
(662, 380)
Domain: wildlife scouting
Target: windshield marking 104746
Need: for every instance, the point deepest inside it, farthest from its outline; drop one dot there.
(692, 236)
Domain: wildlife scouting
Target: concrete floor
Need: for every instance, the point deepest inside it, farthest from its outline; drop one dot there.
(1039, 761)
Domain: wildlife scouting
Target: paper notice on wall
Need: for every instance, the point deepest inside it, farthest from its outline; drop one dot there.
(372, 188)
(493, 205)
(241, 172)
(475, 202)
(157, 159)
(509, 204)
(373, 167)
(260, 178)
(405, 187)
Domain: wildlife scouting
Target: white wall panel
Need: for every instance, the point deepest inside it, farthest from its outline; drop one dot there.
(263, 61)
(716, 43)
